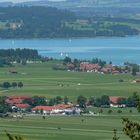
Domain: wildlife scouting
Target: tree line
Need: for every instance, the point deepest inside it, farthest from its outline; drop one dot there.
(104, 101)
(7, 85)
(48, 22)
(8, 56)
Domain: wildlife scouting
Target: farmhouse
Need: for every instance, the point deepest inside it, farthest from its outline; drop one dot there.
(57, 109)
(114, 101)
(86, 66)
(12, 100)
(22, 106)
(107, 68)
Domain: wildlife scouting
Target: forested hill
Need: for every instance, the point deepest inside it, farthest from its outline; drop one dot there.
(47, 22)
(26, 22)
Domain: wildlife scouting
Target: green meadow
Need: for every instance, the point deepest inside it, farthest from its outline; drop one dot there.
(41, 80)
(65, 128)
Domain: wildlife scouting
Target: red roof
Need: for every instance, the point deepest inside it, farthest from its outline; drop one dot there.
(13, 101)
(22, 105)
(114, 99)
(19, 97)
(50, 108)
(87, 66)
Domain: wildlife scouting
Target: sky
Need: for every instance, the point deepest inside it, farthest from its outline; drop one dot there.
(16, 1)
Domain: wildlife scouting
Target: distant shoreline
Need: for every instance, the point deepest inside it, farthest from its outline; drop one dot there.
(103, 37)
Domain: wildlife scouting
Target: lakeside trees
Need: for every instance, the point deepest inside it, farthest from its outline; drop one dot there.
(48, 22)
(9, 56)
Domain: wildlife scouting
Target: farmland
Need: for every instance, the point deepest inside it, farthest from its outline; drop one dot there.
(35, 128)
(42, 80)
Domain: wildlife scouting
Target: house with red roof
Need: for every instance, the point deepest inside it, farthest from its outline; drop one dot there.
(86, 66)
(18, 97)
(23, 106)
(53, 109)
(114, 101)
(12, 100)
(20, 106)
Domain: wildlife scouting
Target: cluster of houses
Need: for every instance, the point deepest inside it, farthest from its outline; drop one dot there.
(16, 102)
(65, 109)
(108, 68)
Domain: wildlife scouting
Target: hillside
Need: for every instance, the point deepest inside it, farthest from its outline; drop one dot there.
(86, 3)
(86, 8)
(47, 22)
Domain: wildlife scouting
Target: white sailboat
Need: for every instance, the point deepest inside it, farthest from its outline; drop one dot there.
(61, 54)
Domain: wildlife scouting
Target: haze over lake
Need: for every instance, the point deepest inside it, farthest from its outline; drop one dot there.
(115, 49)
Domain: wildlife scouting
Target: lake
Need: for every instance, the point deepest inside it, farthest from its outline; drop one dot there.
(115, 49)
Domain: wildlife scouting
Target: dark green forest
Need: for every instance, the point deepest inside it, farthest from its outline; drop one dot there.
(48, 22)
(8, 56)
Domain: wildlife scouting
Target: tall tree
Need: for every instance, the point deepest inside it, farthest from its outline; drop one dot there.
(81, 100)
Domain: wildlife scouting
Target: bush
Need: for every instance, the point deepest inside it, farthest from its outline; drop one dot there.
(119, 111)
(110, 111)
(121, 80)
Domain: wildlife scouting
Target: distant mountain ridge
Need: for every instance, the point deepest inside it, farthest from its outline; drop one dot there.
(88, 7)
(75, 3)
(86, 3)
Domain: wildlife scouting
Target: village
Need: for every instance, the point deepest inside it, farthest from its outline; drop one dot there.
(97, 66)
(40, 105)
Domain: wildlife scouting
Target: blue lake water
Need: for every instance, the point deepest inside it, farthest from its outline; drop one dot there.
(115, 49)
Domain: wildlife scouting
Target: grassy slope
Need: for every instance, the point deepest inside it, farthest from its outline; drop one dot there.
(93, 127)
(40, 79)
(71, 128)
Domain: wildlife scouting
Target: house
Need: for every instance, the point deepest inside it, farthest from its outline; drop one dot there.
(57, 109)
(12, 100)
(22, 106)
(86, 66)
(18, 97)
(107, 68)
(114, 101)
(115, 72)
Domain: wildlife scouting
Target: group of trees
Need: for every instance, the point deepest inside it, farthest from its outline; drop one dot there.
(35, 101)
(4, 107)
(58, 100)
(48, 22)
(104, 101)
(38, 100)
(13, 84)
(35, 22)
(7, 56)
(132, 67)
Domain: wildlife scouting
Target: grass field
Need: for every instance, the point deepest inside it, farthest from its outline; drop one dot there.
(72, 128)
(40, 79)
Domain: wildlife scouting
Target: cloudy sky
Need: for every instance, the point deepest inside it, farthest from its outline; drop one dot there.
(16, 0)
(23, 0)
